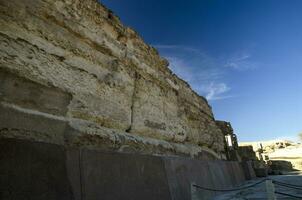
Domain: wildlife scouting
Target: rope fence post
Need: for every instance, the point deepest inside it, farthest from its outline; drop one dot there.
(193, 192)
(270, 190)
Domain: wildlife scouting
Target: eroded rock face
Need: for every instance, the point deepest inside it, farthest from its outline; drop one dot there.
(279, 150)
(73, 61)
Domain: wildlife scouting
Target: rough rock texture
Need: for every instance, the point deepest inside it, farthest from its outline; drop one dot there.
(230, 142)
(268, 146)
(72, 74)
(247, 153)
(225, 127)
(279, 150)
(39, 171)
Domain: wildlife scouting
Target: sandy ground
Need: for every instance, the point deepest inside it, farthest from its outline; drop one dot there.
(259, 192)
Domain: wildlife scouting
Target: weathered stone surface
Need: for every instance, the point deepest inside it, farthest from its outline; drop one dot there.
(92, 68)
(139, 176)
(247, 153)
(35, 170)
(225, 127)
(17, 122)
(230, 142)
(248, 170)
(84, 133)
(31, 95)
(213, 174)
(281, 165)
(279, 150)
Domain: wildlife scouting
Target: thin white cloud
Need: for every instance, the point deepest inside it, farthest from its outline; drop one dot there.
(193, 72)
(216, 91)
(204, 73)
(182, 47)
(240, 62)
(178, 66)
(202, 81)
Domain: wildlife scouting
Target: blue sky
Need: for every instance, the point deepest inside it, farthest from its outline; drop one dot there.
(245, 57)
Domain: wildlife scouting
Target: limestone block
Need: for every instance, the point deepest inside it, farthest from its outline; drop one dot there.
(155, 112)
(103, 73)
(20, 123)
(99, 94)
(31, 95)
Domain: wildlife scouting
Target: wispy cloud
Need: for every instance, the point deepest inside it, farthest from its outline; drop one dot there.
(181, 47)
(201, 71)
(240, 62)
(216, 91)
(193, 72)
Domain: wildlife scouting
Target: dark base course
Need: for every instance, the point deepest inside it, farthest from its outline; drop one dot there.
(35, 170)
